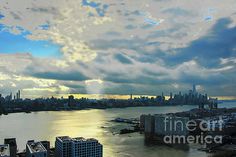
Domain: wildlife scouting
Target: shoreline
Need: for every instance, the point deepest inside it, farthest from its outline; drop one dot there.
(79, 109)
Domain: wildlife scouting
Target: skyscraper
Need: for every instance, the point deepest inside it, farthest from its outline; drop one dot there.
(194, 88)
(71, 101)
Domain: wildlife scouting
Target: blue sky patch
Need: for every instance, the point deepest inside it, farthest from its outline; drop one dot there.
(11, 43)
(1, 16)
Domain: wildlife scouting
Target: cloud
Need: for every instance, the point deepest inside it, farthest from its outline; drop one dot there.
(218, 43)
(72, 76)
(178, 12)
(123, 59)
(132, 46)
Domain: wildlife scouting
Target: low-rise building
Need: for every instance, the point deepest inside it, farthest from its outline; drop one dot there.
(12, 145)
(82, 147)
(161, 124)
(35, 149)
(4, 150)
(63, 146)
(170, 125)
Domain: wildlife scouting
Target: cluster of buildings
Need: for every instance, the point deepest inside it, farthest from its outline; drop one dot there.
(214, 128)
(190, 98)
(11, 104)
(12, 97)
(64, 147)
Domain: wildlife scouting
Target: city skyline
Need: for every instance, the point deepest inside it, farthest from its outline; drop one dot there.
(117, 48)
(18, 95)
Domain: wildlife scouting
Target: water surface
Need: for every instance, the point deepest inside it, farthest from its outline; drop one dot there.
(88, 123)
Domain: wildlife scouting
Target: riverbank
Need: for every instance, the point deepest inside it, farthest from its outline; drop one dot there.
(81, 109)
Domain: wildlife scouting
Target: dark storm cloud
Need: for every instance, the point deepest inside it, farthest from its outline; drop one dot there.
(103, 44)
(130, 27)
(141, 79)
(113, 33)
(67, 76)
(123, 59)
(1, 16)
(178, 11)
(75, 88)
(219, 43)
(15, 16)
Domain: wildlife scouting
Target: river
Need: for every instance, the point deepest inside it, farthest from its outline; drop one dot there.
(92, 123)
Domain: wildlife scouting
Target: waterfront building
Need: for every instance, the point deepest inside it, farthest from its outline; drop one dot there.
(161, 125)
(63, 146)
(13, 146)
(170, 125)
(35, 149)
(82, 147)
(77, 147)
(149, 124)
(142, 122)
(4, 150)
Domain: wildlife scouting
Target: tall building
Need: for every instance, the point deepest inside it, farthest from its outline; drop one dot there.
(4, 150)
(71, 101)
(18, 95)
(194, 88)
(77, 147)
(171, 96)
(13, 146)
(35, 149)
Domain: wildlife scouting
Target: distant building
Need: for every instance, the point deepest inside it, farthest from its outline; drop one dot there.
(18, 96)
(77, 147)
(35, 149)
(194, 88)
(171, 96)
(71, 101)
(13, 146)
(4, 150)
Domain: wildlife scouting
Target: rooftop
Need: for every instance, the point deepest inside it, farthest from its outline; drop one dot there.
(4, 150)
(10, 141)
(64, 138)
(81, 139)
(77, 139)
(35, 147)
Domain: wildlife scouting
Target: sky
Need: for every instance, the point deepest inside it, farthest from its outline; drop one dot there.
(54, 47)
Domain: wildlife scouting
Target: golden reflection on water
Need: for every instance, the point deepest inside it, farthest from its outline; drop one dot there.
(85, 123)
(88, 123)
